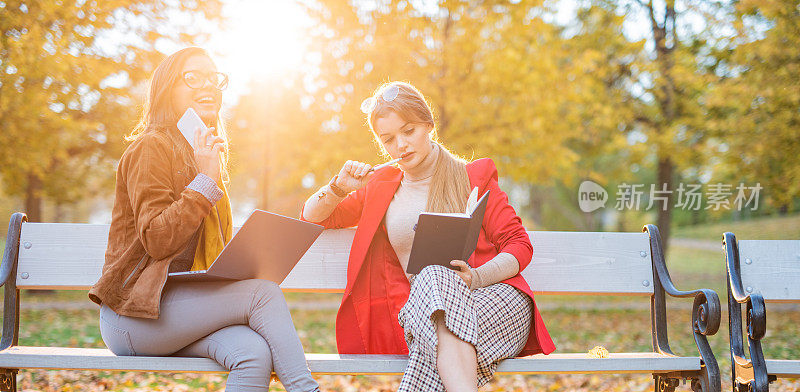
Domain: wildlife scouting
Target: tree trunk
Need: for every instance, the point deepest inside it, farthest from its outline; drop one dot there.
(695, 217)
(441, 128)
(264, 184)
(666, 41)
(590, 221)
(665, 173)
(33, 198)
(59, 213)
(536, 201)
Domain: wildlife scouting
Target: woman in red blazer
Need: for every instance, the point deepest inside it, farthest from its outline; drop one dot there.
(456, 325)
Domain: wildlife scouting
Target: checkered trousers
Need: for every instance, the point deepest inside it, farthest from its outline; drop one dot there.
(495, 319)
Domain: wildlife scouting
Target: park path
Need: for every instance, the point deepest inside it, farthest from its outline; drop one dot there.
(692, 243)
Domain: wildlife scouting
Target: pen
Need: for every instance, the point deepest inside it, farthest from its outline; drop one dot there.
(390, 163)
(382, 165)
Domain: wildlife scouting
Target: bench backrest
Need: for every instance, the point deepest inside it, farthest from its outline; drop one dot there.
(71, 256)
(771, 267)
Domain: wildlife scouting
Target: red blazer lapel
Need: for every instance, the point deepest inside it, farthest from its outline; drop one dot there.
(379, 195)
(479, 173)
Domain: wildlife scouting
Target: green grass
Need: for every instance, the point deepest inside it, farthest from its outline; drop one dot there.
(65, 328)
(766, 228)
(696, 268)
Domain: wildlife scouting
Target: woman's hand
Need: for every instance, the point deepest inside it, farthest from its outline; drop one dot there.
(463, 272)
(353, 176)
(206, 152)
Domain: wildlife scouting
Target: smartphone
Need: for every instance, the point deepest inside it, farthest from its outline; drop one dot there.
(188, 125)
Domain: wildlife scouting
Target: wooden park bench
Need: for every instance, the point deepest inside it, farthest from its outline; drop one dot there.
(759, 271)
(70, 257)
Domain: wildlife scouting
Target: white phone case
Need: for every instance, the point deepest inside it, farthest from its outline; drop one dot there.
(189, 123)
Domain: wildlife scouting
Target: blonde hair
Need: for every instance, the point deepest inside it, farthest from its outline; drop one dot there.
(450, 185)
(158, 113)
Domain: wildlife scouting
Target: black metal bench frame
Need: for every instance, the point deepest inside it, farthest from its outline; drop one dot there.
(747, 375)
(705, 322)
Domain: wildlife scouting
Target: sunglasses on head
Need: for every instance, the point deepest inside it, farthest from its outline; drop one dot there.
(389, 94)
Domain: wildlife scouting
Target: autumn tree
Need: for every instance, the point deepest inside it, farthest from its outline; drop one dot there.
(667, 86)
(276, 142)
(493, 71)
(754, 108)
(71, 76)
(553, 104)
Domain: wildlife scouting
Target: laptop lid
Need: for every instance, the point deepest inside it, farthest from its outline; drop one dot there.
(267, 247)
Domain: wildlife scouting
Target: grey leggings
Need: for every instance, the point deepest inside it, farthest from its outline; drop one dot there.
(244, 325)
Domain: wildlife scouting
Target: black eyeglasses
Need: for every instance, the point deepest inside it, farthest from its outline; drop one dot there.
(197, 79)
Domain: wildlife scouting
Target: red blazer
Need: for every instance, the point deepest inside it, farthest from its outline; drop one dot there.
(377, 287)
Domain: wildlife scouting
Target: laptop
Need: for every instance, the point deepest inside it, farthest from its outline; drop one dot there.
(267, 247)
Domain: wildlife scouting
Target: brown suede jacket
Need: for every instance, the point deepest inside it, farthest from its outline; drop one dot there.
(153, 219)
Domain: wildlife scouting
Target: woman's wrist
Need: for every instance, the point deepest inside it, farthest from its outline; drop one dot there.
(475, 282)
(336, 189)
(501, 267)
(207, 187)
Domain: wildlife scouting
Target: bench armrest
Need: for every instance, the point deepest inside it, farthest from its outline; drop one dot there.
(756, 322)
(8, 278)
(706, 312)
(733, 268)
(11, 253)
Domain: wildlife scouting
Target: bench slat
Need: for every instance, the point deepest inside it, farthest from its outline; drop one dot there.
(774, 268)
(783, 368)
(575, 363)
(71, 256)
(590, 263)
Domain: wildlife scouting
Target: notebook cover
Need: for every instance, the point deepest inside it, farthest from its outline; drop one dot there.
(438, 239)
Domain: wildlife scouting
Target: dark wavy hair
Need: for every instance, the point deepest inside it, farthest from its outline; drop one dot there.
(158, 113)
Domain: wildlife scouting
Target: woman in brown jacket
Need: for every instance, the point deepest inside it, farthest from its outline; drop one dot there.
(171, 213)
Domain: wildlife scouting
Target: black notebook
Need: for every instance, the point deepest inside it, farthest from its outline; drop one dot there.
(442, 237)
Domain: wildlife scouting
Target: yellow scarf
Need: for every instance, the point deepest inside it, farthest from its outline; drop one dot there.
(217, 232)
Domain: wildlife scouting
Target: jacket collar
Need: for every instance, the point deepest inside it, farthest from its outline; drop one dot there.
(379, 195)
(380, 191)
